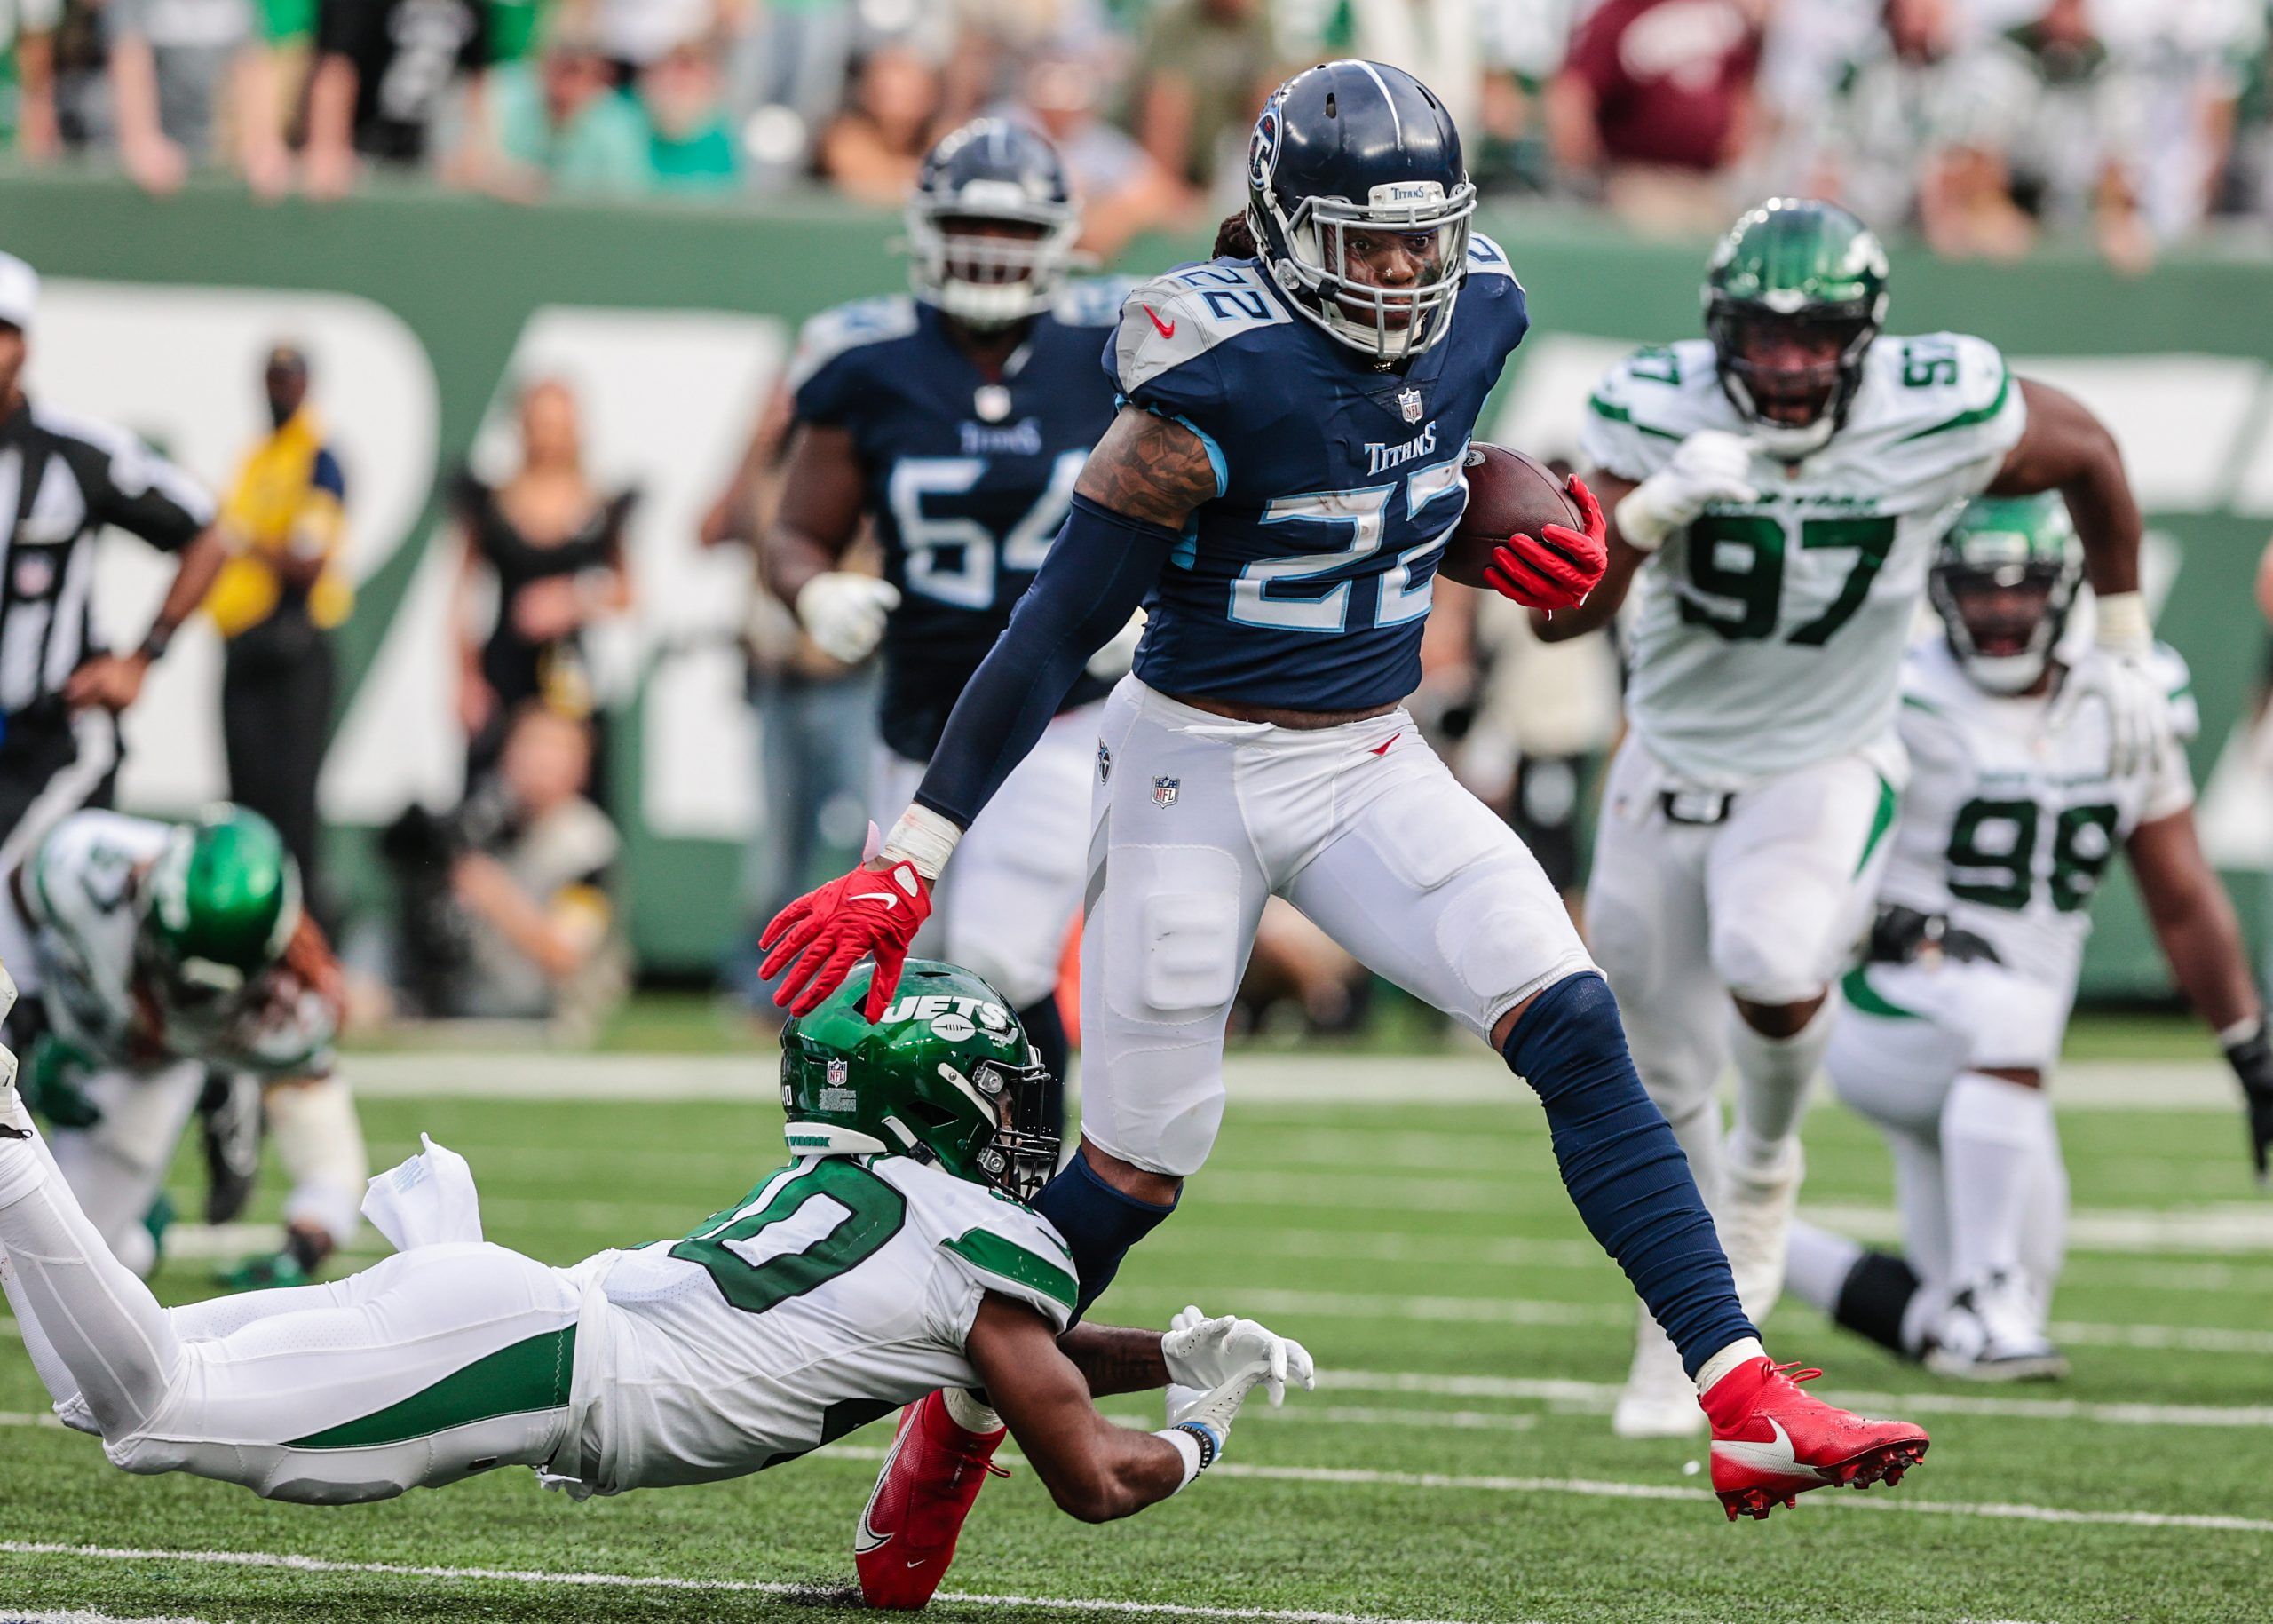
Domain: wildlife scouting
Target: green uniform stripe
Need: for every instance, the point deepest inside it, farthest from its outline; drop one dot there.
(1866, 998)
(986, 1249)
(1619, 414)
(1882, 821)
(1966, 420)
(528, 1375)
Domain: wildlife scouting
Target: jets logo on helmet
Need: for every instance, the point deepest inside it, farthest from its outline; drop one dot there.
(946, 1077)
(991, 225)
(1351, 163)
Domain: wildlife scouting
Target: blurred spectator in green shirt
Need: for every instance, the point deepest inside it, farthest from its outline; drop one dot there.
(690, 147)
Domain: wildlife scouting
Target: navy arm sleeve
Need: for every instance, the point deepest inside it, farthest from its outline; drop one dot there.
(1098, 574)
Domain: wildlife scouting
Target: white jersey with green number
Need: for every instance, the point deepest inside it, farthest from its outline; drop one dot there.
(82, 910)
(1770, 633)
(836, 1291)
(2010, 822)
(78, 889)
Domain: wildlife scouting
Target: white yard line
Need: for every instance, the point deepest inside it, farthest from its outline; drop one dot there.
(1460, 1077)
(1528, 1311)
(640, 1581)
(1602, 1397)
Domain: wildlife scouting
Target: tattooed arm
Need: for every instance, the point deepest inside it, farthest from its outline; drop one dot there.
(1139, 488)
(1114, 1358)
(1150, 468)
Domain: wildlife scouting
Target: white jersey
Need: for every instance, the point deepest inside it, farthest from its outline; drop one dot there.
(1771, 634)
(2008, 823)
(70, 940)
(836, 1291)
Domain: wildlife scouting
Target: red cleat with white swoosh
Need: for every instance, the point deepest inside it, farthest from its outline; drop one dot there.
(908, 1531)
(1771, 1442)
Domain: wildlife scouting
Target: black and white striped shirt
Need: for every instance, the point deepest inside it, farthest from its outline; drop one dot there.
(62, 479)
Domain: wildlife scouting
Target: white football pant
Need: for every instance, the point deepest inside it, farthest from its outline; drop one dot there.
(1197, 819)
(1897, 1070)
(430, 1366)
(1005, 905)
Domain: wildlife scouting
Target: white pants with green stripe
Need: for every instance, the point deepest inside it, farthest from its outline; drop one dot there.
(436, 1363)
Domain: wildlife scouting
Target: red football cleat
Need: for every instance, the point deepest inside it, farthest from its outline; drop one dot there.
(1772, 1443)
(908, 1531)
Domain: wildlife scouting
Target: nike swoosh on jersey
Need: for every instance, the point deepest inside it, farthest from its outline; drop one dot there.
(866, 1539)
(1166, 329)
(889, 901)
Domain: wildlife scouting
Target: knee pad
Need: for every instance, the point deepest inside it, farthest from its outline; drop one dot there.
(1761, 963)
(1574, 1018)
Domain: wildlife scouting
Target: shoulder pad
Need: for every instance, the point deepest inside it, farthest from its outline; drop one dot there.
(1942, 383)
(1172, 318)
(2169, 669)
(1013, 1250)
(1647, 404)
(847, 328)
(1486, 257)
(1090, 301)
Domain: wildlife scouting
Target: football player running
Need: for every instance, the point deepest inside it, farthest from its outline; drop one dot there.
(1778, 488)
(956, 420)
(1278, 487)
(892, 1257)
(1949, 1034)
(153, 955)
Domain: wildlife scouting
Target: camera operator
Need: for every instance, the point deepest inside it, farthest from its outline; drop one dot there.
(504, 906)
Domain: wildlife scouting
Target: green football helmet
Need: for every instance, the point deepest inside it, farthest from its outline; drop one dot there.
(2003, 581)
(1794, 297)
(218, 908)
(947, 1077)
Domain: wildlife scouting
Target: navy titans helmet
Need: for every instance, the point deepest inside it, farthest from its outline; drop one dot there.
(991, 225)
(1354, 147)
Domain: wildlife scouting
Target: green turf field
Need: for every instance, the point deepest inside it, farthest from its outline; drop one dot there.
(1456, 1462)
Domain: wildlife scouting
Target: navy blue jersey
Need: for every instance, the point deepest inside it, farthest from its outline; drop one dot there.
(967, 477)
(1304, 583)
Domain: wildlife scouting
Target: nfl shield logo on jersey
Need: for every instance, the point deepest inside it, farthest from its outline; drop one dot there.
(1408, 401)
(1164, 790)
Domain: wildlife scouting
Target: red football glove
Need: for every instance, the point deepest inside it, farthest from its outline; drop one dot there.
(825, 932)
(1561, 567)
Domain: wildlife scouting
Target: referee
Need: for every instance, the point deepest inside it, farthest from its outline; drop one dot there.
(62, 480)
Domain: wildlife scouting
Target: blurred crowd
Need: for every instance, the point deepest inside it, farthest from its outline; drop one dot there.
(1978, 124)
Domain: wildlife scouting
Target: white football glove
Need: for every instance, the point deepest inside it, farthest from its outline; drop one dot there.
(1709, 466)
(844, 614)
(1207, 1357)
(2140, 722)
(1111, 663)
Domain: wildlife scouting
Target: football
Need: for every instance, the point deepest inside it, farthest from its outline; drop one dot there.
(1509, 493)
